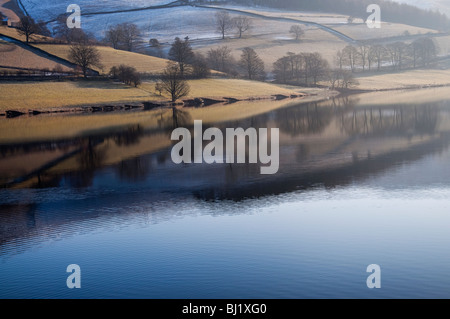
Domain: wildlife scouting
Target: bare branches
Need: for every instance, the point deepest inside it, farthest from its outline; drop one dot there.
(84, 55)
(224, 23)
(173, 82)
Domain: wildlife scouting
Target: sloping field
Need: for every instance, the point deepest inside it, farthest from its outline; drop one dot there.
(12, 32)
(111, 57)
(12, 55)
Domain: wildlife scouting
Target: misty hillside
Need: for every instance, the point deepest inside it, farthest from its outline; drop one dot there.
(442, 6)
(391, 11)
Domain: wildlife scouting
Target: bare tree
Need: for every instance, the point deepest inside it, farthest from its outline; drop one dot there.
(220, 59)
(181, 52)
(130, 34)
(425, 50)
(342, 79)
(173, 82)
(123, 36)
(348, 80)
(350, 55)
(377, 53)
(297, 63)
(84, 55)
(156, 48)
(224, 23)
(159, 88)
(396, 52)
(252, 63)
(316, 67)
(282, 70)
(114, 36)
(242, 24)
(200, 69)
(75, 35)
(297, 31)
(126, 74)
(363, 51)
(27, 27)
(340, 58)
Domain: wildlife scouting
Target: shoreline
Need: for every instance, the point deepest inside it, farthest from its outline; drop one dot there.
(199, 102)
(348, 92)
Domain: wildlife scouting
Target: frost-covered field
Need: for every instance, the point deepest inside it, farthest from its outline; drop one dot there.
(46, 10)
(163, 24)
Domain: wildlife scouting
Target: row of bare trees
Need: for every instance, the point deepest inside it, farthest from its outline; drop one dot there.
(310, 69)
(225, 24)
(126, 74)
(302, 68)
(123, 36)
(397, 55)
(197, 65)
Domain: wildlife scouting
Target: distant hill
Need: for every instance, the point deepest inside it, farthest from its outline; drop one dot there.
(391, 11)
(442, 6)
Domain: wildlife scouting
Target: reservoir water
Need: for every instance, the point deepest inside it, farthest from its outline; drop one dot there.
(359, 183)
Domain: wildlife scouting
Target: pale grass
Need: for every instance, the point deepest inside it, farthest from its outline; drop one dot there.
(47, 95)
(220, 88)
(405, 79)
(25, 96)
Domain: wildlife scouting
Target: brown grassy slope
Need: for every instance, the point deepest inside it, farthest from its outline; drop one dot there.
(12, 55)
(13, 33)
(110, 57)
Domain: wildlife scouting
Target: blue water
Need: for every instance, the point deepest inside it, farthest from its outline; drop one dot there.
(181, 232)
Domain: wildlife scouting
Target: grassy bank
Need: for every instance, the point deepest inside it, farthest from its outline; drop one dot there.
(23, 96)
(404, 80)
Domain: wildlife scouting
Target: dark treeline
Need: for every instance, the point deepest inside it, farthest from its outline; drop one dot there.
(390, 11)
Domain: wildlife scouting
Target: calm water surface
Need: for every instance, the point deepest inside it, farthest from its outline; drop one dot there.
(358, 185)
